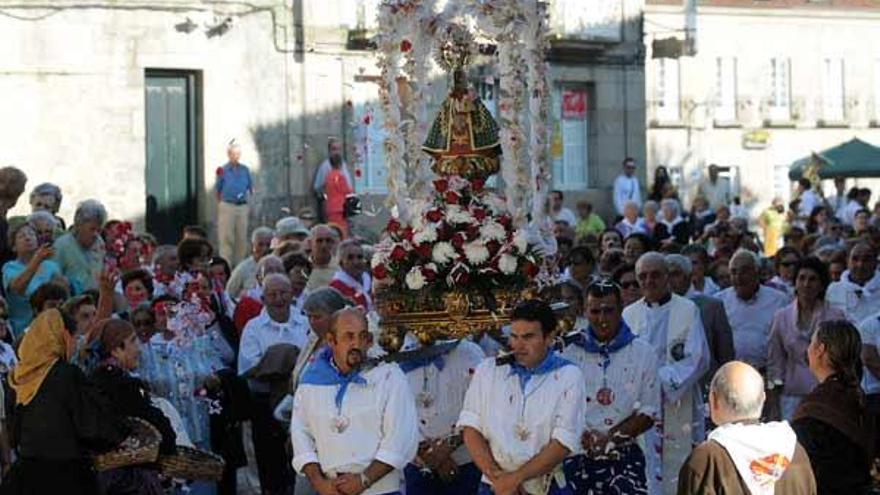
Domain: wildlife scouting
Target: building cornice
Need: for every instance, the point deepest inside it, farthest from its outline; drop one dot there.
(823, 12)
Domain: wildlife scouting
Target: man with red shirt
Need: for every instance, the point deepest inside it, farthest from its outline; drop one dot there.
(352, 279)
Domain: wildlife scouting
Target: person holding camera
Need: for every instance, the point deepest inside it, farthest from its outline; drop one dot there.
(31, 268)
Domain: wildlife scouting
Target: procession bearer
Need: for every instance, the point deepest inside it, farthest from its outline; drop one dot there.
(523, 416)
(353, 430)
(622, 397)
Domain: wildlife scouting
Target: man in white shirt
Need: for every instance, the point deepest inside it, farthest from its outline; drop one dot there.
(672, 325)
(857, 292)
(808, 199)
(622, 397)
(276, 325)
(715, 189)
(353, 430)
(439, 375)
(244, 276)
(626, 187)
(559, 212)
(524, 413)
(750, 307)
(839, 200)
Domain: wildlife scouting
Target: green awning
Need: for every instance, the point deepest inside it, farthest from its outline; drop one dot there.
(854, 158)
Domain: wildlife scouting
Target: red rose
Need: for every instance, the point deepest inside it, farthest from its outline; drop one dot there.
(367, 119)
(393, 226)
(458, 240)
(493, 247)
(479, 214)
(477, 184)
(473, 231)
(434, 216)
(442, 232)
(504, 220)
(357, 172)
(460, 276)
(405, 46)
(430, 275)
(441, 185)
(529, 269)
(408, 234)
(424, 250)
(452, 197)
(398, 253)
(380, 272)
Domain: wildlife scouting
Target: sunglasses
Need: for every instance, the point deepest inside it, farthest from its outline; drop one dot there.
(629, 285)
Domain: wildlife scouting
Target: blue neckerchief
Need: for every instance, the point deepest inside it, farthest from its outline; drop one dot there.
(433, 355)
(551, 362)
(590, 344)
(322, 372)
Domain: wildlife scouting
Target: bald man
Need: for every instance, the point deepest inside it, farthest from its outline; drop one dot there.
(744, 456)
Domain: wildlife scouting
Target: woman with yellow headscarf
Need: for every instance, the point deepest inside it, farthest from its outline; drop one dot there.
(60, 418)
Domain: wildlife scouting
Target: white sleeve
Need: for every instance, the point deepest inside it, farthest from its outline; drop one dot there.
(235, 284)
(249, 352)
(471, 411)
(868, 330)
(400, 432)
(570, 419)
(678, 377)
(649, 391)
(619, 196)
(304, 449)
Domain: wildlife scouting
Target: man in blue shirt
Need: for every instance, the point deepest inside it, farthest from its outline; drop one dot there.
(233, 189)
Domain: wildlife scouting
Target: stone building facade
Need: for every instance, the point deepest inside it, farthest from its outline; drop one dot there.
(134, 102)
(771, 82)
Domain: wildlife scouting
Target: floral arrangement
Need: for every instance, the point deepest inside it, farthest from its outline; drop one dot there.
(189, 319)
(463, 238)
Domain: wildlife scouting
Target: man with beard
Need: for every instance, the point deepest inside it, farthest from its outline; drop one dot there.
(622, 399)
(353, 430)
(524, 413)
(858, 291)
(334, 150)
(352, 280)
(672, 325)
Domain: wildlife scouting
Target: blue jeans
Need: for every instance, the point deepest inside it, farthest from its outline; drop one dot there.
(623, 476)
(465, 483)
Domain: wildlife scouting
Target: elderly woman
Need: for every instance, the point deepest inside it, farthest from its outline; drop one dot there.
(47, 226)
(47, 197)
(831, 422)
(80, 252)
(649, 216)
(61, 416)
(672, 227)
(119, 350)
(791, 330)
(31, 268)
(630, 222)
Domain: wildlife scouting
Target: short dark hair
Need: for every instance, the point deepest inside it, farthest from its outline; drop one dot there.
(580, 254)
(622, 270)
(190, 249)
(815, 264)
(786, 251)
(643, 238)
(196, 230)
(47, 292)
(217, 260)
(697, 249)
(536, 310)
(291, 260)
(605, 288)
(557, 191)
(805, 183)
(138, 274)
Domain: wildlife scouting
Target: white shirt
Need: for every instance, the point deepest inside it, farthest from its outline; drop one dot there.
(631, 376)
(263, 332)
(857, 301)
(440, 393)
(809, 200)
(243, 277)
(382, 426)
(716, 194)
(750, 321)
(849, 213)
(567, 216)
(553, 407)
(869, 330)
(626, 189)
(710, 288)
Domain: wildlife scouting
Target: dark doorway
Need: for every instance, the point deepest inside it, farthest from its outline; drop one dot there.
(172, 109)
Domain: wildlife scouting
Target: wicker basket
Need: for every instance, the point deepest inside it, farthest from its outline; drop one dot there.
(192, 464)
(140, 447)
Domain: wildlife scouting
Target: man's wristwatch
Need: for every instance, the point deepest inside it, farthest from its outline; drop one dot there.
(365, 480)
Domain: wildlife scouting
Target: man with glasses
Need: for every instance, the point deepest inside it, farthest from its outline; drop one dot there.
(322, 247)
(352, 280)
(673, 327)
(858, 291)
(623, 397)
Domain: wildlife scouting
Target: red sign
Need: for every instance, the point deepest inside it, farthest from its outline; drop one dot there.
(574, 104)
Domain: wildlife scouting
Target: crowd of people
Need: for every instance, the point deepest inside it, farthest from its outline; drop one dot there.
(704, 358)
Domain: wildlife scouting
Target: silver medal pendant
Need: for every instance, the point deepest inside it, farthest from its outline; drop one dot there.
(521, 431)
(340, 423)
(425, 399)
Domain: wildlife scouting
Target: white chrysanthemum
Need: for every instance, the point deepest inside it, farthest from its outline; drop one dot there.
(380, 257)
(476, 253)
(496, 204)
(457, 183)
(456, 216)
(493, 231)
(427, 233)
(443, 253)
(507, 264)
(414, 279)
(521, 241)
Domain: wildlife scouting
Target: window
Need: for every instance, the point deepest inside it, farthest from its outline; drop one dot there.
(780, 89)
(832, 89)
(568, 147)
(667, 91)
(725, 89)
